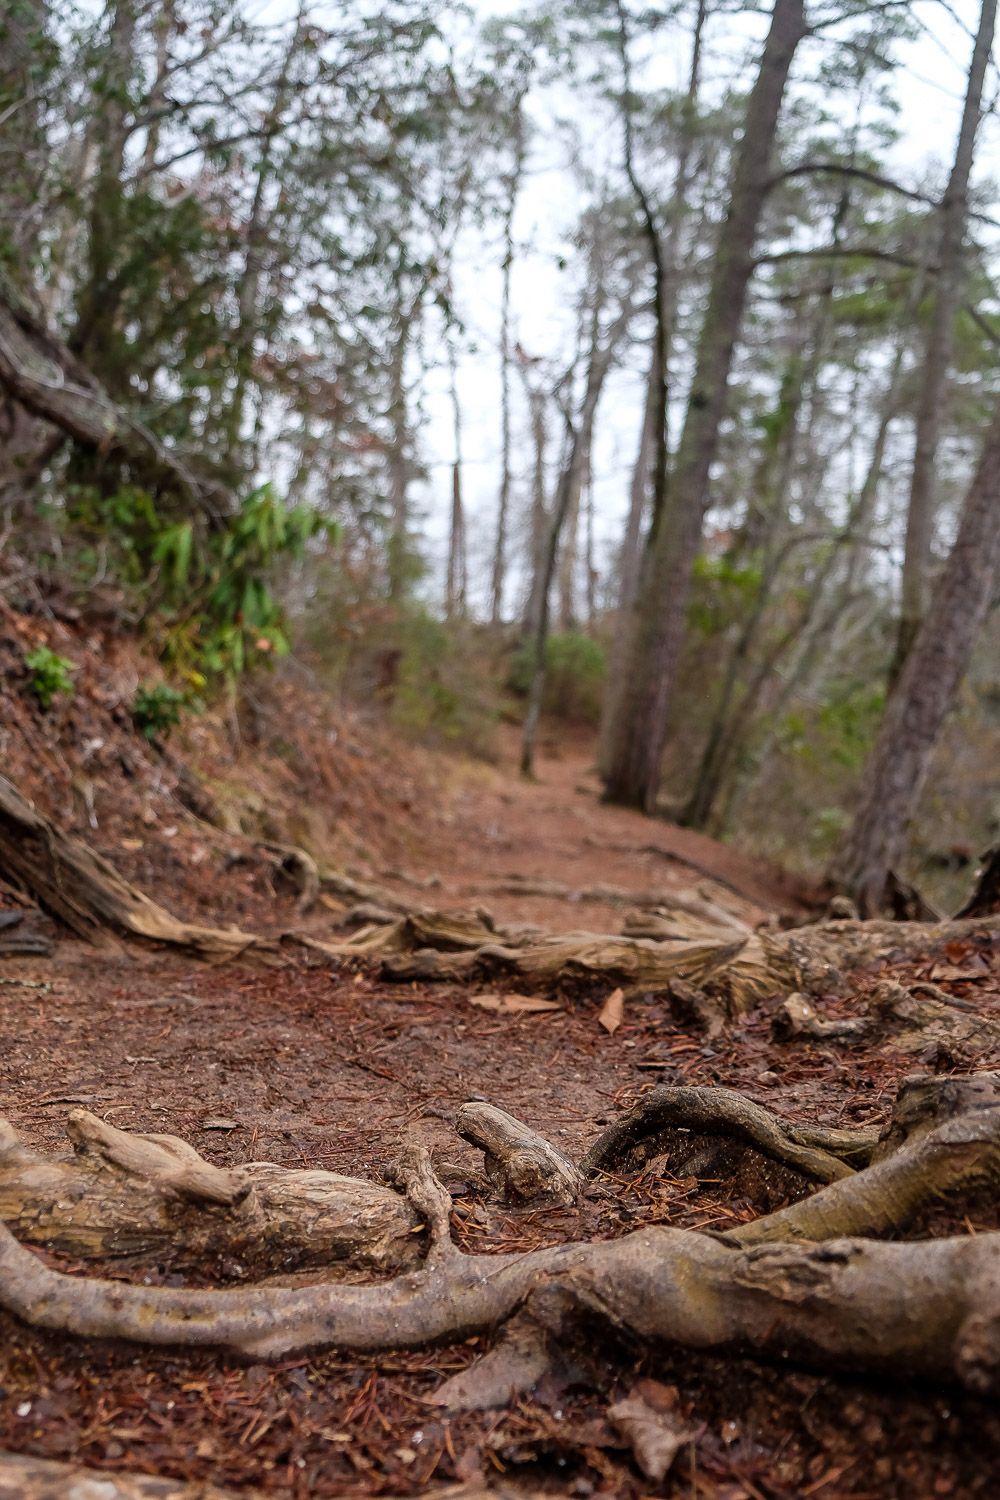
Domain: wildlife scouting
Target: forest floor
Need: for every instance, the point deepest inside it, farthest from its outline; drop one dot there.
(316, 1064)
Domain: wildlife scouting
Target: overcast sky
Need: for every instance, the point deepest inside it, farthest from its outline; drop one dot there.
(928, 85)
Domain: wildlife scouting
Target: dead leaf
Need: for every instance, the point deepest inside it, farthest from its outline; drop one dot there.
(649, 1421)
(612, 1011)
(510, 1005)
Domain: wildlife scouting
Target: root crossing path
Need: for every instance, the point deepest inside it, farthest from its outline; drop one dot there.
(552, 1167)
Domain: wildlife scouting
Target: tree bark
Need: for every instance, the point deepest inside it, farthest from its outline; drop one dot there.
(639, 734)
(499, 573)
(652, 465)
(938, 349)
(38, 371)
(579, 437)
(455, 580)
(924, 694)
(537, 408)
(126, 1196)
(86, 893)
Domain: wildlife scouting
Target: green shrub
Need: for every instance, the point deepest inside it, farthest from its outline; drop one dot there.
(575, 669)
(207, 589)
(721, 593)
(157, 708)
(50, 674)
(438, 693)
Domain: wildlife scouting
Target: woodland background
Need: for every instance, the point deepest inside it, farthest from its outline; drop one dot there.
(268, 276)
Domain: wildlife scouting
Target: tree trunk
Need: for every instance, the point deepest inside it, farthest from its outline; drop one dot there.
(938, 349)
(38, 371)
(580, 436)
(499, 576)
(639, 733)
(540, 593)
(568, 561)
(926, 690)
(398, 457)
(539, 498)
(86, 893)
(96, 339)
(639, 490)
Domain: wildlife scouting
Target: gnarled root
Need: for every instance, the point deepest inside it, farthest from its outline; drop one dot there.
(83, 890)
(797, 1282)
(943, 1140)
(520, 1164)
(932, 1307)
(23, 1477)
(134, 1195)
(825, 1155)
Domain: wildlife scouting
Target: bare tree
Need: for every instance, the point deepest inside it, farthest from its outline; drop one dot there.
(513, 184)
(953, 218)
(603, 348)
(651, 470)
(638, 734)
(925, 692)
(455, 582)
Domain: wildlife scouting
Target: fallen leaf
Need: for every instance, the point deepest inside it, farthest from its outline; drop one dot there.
(612, 1011)
(511, 1005)
(652, 1426)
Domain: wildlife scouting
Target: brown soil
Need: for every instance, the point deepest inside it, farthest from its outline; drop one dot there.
(319, 1066)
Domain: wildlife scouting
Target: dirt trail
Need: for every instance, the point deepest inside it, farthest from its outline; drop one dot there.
(490, 824)
(316, 1065)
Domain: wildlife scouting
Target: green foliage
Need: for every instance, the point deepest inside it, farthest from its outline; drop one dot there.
(721, 593)
(50, 674)
(829, 825)
(575, 669)
(839, 733)
(438, 694)
(157, 708)
(209, 597)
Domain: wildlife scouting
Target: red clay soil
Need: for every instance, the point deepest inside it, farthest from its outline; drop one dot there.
(315, 1065)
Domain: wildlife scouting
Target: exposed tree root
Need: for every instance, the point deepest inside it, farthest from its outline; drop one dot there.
(825, 1155)
(797, 1282)
(736, 970)
(125, 1195)
(669, 907)
(931, 1307)
(921, 1018)
(520, 1164)
(23, 1477)
(299, 868)
(985, 899)
(961, 1155)
(84, 891)
(796, 1017)
(735, 966)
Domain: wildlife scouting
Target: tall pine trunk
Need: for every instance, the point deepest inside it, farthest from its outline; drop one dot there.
(639, 732)
(499, 574)
(938, 350)
(926, 690)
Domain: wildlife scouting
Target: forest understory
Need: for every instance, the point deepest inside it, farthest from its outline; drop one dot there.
(484, 498)
(341, 1048)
